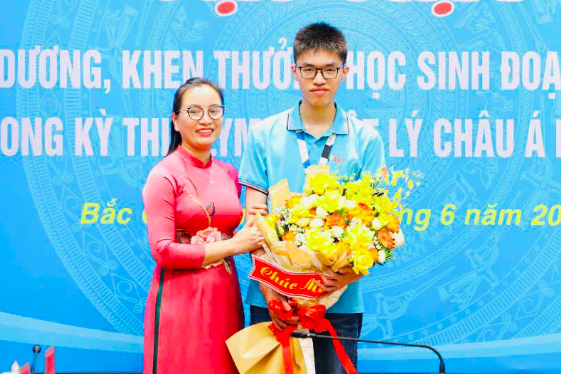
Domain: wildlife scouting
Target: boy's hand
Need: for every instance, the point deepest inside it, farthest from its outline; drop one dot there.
(333, 281)
(253, 209)
(270, 294)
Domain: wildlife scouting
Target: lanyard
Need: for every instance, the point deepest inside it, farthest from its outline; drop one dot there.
(304, 155)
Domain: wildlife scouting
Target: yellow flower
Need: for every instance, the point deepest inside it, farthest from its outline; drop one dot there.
(343, 247)
(272, 220)
(300, 211)
(360, 191)
(362, 260)
(331, 201)
(321, 183)
(293, 201)
(385, 207)
(359, 235)
(319, 240)
(331, 251)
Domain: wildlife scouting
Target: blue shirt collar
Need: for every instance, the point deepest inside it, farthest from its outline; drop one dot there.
(339, 126)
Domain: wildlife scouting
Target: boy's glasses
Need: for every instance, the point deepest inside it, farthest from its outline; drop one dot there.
(310, 72)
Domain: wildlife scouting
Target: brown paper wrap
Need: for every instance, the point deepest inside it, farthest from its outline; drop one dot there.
(255, 350)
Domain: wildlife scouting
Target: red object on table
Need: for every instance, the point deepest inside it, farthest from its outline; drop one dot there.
(50, 361)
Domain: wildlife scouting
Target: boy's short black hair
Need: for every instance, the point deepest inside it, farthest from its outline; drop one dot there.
(320, 36)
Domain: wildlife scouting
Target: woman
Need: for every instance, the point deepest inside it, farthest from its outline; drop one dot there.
(194, 301)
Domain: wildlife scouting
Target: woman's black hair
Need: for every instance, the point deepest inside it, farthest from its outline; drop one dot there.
(176, 140)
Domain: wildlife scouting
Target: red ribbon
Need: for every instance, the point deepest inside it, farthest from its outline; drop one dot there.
(312, 318)
(283, 336)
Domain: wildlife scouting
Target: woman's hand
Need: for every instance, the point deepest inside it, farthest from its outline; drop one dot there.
(247, 239)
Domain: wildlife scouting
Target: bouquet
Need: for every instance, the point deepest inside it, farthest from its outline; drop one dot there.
(337, 222)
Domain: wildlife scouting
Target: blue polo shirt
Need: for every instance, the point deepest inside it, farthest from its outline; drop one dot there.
(272, 154)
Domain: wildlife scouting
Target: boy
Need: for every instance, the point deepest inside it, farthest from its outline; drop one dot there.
(315, 131)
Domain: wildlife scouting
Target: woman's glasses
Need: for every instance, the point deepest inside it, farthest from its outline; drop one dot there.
(195, 112)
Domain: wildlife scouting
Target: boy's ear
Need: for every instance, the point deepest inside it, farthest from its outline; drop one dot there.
(345, 72)
(293, 68)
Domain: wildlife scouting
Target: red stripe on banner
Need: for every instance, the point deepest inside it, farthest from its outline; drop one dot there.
(285, 282)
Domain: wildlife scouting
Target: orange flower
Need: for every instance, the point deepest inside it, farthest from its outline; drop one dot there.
(313, 211)
(363, 206)
(385, 238)
(375, 255)
(393, 225)
(335, 219)
(289, 236)
(363, 212)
